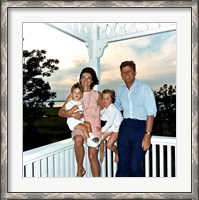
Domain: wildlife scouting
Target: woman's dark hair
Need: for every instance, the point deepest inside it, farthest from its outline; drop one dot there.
(93, 74)
(111, 92)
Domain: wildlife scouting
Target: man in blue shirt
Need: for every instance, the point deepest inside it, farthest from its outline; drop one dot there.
(137, 101)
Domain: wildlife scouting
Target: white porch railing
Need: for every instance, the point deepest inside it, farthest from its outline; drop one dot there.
(58, 160)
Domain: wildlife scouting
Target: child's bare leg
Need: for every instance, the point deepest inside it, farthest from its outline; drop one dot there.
(102, 152)
(83, 128)
(110, 145)
(88, 125)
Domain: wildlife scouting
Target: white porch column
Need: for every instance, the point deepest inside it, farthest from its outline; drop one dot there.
(95, 48)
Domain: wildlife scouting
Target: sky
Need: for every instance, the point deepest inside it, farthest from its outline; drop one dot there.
(155, 58)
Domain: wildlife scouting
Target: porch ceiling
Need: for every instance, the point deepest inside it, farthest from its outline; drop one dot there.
(112, 32)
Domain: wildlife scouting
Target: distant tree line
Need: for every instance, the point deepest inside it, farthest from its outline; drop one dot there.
(165, 121)
(35, 90)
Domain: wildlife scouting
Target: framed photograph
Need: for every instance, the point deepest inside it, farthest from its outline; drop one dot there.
(184, 185)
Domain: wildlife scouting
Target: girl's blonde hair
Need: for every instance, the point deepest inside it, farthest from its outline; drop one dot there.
(111, 92)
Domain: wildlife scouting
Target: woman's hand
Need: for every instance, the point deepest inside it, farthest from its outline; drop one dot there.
(77, 115)
(74, 108)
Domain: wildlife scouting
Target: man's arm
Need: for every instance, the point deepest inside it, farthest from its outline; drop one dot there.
(149, 123)
(146, 142)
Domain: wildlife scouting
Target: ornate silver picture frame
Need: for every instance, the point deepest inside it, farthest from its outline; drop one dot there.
(7, 127)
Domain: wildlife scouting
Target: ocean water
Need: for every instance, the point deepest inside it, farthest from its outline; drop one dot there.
(57, 103)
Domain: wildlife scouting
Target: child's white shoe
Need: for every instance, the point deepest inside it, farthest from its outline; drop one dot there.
(91, 135)
(93, 142)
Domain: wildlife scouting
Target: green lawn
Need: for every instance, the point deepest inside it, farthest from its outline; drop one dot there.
(50, 129)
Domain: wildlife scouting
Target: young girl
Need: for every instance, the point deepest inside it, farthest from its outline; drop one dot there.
(75, 105)
(111, 119)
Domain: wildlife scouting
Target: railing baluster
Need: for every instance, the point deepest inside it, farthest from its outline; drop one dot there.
(50, 166)
(114, 167)
(161, 161)
(67, 163)
(37, 169)
(154, 161)
(73, 167)
(174, 157)
(147, 168)
(56, 165)
(103, 169)
(169, 161)
(62, 164)
(109, 163)
(44, 167)
(29, 170)
(103, 164)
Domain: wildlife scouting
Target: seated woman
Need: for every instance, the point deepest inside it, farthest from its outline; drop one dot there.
(92, 102)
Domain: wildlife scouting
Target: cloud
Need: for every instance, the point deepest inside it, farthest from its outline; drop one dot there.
(57, 44)
(155, 65)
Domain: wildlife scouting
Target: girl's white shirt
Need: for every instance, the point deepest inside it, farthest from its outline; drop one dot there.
(113, 118)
